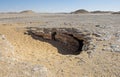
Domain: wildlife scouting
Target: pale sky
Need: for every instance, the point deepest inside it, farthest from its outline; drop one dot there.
(58, 5)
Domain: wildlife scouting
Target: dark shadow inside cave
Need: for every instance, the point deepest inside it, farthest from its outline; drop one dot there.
(80, 42)
(63, 48)
(53, 35)
(80, 46)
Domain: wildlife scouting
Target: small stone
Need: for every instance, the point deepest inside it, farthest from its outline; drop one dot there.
(100, 26)
(115, 48)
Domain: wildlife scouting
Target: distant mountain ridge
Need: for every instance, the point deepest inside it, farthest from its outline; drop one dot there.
(83, 11)
(27, 11)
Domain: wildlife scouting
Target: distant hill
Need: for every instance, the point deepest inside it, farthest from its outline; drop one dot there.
(116, 12)
(27, 11)
(101, 11)
(8, 12)
(80, 11)
(83, 11)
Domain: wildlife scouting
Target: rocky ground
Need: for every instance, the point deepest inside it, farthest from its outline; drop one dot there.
(59, 45)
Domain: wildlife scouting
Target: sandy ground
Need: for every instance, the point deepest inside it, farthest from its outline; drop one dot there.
(34, 52)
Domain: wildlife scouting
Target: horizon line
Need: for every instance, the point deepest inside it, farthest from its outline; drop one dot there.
(56, 11)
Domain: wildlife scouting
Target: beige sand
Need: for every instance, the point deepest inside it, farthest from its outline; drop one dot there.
(34, 52)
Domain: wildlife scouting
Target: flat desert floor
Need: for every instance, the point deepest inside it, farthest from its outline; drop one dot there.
(23, 56)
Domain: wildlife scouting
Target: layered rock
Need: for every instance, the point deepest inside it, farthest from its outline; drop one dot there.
(72, 39)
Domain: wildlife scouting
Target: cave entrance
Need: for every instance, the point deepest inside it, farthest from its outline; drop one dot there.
(79, 47)
(53, 35)
(67, 44)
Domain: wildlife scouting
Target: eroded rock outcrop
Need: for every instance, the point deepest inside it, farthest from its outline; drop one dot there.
(73, 40)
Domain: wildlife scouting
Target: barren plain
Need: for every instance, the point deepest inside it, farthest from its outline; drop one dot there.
(22, 55)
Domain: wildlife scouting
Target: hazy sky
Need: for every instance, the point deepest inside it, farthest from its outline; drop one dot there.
(58, 5)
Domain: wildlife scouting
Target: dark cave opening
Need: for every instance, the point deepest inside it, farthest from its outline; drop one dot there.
(80, 46)
(74, 45)
(53, 35)
(81, 43)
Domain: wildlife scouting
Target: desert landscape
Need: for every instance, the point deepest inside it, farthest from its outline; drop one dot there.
(60, 45)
